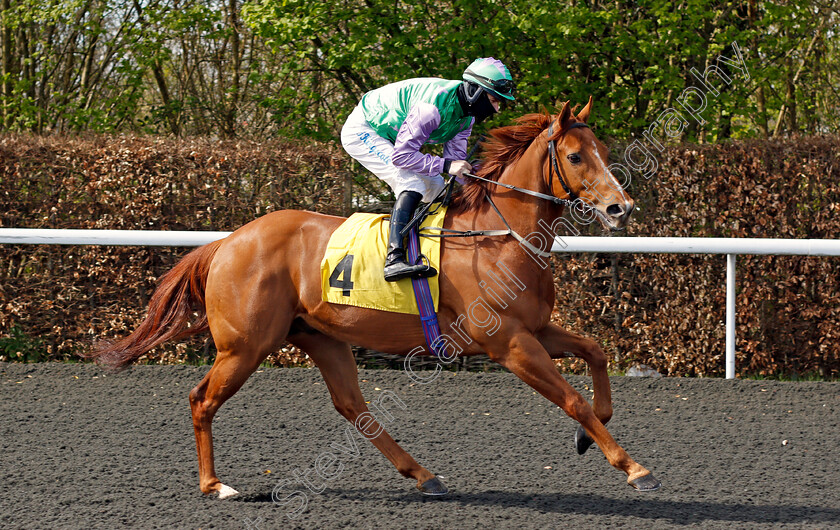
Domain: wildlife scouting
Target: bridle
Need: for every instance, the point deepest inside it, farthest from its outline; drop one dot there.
(554, 167)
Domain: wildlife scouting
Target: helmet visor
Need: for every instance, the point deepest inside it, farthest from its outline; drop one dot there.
(504, 87)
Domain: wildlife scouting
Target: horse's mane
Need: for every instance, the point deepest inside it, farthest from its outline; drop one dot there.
(505, 146)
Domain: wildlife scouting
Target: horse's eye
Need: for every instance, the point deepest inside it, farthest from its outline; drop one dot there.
(574, 158)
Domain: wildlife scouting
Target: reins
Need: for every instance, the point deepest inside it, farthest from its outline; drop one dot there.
(448, 232)
(552, 198)
(554, 167)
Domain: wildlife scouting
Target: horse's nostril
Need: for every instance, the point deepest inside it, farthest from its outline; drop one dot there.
(614, 210)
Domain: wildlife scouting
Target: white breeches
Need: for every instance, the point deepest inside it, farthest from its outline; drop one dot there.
(362, 142)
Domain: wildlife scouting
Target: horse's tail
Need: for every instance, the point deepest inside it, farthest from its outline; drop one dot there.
(179, 295)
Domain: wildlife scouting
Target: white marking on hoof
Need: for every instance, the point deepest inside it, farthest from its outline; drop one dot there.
(227, 492)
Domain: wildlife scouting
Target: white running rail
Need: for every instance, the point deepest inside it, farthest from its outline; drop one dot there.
(705, 245)
(731, 247)
(142, 238)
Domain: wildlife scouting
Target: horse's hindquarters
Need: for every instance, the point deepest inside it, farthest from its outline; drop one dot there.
(262, 277)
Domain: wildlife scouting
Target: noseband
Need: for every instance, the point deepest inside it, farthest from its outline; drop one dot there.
(554, 167)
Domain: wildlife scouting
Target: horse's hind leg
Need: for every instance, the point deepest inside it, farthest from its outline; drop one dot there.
(338, 368)
(228, 374)
(557, 342)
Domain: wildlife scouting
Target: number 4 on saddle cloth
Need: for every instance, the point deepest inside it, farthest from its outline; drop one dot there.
(351, 270)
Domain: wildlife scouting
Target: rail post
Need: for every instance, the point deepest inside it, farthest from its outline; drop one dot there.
(730, 316)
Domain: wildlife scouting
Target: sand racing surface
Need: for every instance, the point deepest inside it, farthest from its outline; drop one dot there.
(85, 449)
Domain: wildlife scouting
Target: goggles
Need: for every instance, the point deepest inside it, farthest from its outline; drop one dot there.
(505, 87)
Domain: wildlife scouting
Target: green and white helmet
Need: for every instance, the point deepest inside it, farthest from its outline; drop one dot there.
(492, 76)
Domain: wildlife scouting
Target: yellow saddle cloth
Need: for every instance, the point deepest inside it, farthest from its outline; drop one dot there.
(351, 271)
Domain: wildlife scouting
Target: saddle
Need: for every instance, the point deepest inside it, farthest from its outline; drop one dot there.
(351, 269)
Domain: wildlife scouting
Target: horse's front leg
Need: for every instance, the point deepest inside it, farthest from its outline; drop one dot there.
(559, 343)
(527, 358)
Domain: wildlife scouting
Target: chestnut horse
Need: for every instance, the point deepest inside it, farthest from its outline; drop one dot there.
(261, 287)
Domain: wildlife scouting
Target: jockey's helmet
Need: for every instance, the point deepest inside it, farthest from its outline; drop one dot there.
(492, 76)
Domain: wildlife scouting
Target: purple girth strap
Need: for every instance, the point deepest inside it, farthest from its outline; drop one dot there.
(425, 304)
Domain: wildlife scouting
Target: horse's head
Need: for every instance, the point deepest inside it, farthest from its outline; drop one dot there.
(583, 169)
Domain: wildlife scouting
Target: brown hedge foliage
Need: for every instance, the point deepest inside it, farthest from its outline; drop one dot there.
(666, 311)
(71, 296)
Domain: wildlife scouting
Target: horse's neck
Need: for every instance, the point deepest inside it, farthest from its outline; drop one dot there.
(524, 212)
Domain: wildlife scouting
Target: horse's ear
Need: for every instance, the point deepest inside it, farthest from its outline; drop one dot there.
(583, 115)
(565, 114)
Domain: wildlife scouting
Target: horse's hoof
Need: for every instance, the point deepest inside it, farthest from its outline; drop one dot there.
(646, 483)
(226, 492)
(433, 486)
(582, 440)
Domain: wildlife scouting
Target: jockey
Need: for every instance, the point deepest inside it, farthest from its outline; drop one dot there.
(389, 126)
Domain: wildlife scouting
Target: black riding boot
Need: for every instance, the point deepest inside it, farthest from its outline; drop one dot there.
(396, 267)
